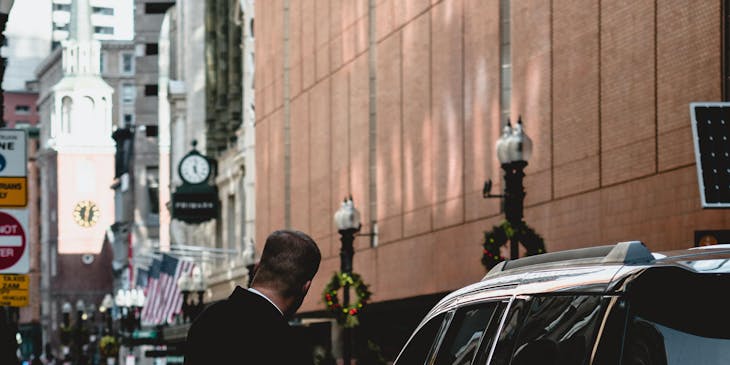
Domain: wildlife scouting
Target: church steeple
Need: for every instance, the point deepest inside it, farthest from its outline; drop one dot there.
(81, 21)
(81, 53)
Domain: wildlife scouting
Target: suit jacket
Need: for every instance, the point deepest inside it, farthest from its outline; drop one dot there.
(243, 329)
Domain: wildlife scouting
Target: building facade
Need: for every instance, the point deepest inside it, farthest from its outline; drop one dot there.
(400, 103)
(137, 182)
(20, 109)
(110, 19)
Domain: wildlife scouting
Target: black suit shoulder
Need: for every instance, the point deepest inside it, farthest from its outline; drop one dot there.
(243, 329)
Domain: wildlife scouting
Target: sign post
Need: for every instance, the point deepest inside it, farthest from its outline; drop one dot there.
(14, 245)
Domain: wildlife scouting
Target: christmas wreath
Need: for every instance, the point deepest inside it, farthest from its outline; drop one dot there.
(346, 316)
(499, 235)
(108, 346)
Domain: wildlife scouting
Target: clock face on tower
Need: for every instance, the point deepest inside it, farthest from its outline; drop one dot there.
(86, 213)
(194, 169)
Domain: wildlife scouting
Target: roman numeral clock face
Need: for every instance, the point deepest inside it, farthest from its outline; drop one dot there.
(194, 169)
(86, 213)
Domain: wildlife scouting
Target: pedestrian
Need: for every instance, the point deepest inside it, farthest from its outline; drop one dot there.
(251, 326)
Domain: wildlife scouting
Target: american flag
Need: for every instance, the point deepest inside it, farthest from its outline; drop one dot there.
(153, 281)
(164, 298)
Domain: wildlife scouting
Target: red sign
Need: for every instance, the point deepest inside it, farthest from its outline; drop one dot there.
(12, 241)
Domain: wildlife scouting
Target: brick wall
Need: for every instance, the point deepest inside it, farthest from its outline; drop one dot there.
(603, 89)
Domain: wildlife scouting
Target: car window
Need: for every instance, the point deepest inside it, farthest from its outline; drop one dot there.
(418, 348)
(549, 330)
(464, 334)
(510, 330)
(678, 317)
(651, 343)
(558, 330)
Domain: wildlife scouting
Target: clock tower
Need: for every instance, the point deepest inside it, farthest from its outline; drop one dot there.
(76, 158)
(79, 150)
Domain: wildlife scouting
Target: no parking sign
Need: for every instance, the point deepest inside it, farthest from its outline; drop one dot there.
(14, 250)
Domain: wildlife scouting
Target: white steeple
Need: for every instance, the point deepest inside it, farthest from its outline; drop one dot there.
(81, 53)
(82, 107)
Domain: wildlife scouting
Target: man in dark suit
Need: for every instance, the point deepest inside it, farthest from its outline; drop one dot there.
(251, 326)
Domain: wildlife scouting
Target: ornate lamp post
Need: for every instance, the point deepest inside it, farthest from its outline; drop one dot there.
(106, 305)
(130, 301)
(192, 284)
(347, 220)
(66, 329)
(514, 149)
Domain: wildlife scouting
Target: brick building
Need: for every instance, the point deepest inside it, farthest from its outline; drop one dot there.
(400, 103)
(20, 109)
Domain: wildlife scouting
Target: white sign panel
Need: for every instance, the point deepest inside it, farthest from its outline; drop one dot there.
(14, 245)
(13, 153)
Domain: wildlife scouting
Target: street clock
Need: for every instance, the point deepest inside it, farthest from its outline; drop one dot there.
(194, 168)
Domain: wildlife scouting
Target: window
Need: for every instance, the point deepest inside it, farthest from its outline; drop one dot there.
(62, 7)
(549, 329)
(103, 30)
(465, 333)
(102, 62)
(231, 221)
(670, 327)
(153, 189)
(158, 7)
(57, 26)
(151, 131)
(128, 120)
(127, 64)
(420, 345)
(22, 109)
(102, 10)
(150, 49)
(150, 90)
(128, 93)
(55, 44)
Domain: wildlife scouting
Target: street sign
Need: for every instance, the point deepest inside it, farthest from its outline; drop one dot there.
(14, 298)
(14, 250)
(711, 129)
(14, 290)
(13, 153)
(13, 191)
(13, 168)
(14, 281)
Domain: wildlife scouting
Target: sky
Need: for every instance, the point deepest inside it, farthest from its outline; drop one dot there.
(28, 34)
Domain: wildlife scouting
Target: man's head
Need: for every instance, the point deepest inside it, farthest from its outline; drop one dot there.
(288, 264)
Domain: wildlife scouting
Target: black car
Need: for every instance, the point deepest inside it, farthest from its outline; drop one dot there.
(617, 304)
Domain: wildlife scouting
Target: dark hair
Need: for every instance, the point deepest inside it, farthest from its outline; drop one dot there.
(289, 260)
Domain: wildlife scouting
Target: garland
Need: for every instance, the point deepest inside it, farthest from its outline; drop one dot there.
(346, 316)
(499, 235)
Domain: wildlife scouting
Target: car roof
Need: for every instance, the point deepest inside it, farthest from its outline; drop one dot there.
(596, 270)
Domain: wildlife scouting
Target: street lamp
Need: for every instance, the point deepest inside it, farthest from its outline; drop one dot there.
(514, 149)
(194, 283)
(130, 301)
(106, 305)
(347, 219)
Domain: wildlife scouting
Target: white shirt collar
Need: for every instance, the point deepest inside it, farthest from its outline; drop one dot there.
(252, 290)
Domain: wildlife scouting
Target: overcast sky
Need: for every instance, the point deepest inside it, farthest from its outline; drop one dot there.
(28, 34)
